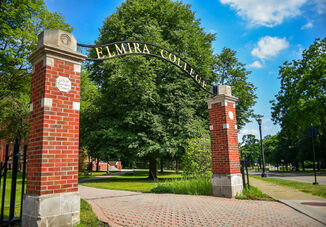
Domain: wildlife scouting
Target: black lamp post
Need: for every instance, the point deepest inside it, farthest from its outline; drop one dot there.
(261, 147)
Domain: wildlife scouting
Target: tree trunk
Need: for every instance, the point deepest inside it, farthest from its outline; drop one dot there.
(177, 166)
(318, 165)
(296, 166)
(108, 168)
(97, 164)
(152, 174)
(302, 165)
(162, 165)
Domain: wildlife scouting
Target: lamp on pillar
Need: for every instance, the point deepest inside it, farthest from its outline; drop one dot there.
(261, 147)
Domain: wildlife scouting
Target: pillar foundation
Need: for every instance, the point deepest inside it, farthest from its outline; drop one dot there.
(227, 185)
(61, 209)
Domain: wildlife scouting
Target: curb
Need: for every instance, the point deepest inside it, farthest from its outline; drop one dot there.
(300, 211)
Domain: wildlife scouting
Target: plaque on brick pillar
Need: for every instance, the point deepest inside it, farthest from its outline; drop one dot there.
(226, 180)
(52, 167)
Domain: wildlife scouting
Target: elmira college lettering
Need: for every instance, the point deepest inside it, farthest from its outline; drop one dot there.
(122, 48)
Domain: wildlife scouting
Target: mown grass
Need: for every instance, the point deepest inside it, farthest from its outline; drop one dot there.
(87, 216)
(136, 181)
(191, 186)
(318, 190)
(253, 193)
(8, 194)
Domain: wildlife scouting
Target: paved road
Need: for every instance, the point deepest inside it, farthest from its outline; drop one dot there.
(303, 177)
(124, 208)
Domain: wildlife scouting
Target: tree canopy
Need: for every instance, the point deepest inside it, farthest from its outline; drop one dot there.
(20, 23)
(147, 107)
(301, 103)
(228, 70)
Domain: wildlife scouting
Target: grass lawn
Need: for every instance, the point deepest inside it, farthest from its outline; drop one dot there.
(8, 194)
(253, 193)
(87, 216)
(318, 190)
(190, 186)
(136, 181)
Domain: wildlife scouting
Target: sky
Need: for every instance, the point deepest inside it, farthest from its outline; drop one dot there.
(264, 33)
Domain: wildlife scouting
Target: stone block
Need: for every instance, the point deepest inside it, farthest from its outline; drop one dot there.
(224, 90)
(227, 185)
(57, 38)
(61, 209)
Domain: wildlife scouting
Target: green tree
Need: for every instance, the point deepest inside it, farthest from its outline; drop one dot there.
(197, 160)
(270, 144)
(20, 23)
(89, 94)
(301, 101)
(250, 149)
(228, 70)
(149, 107)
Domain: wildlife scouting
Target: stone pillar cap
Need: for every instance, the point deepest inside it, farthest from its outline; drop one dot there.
(57, 38)
(224, 93)
(224, 90)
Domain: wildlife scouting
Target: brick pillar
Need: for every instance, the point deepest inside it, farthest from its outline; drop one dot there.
(227, 181)
(52, 196)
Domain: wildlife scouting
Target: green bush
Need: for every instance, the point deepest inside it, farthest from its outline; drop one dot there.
(191, 186)
(253, 193)
(197, 160)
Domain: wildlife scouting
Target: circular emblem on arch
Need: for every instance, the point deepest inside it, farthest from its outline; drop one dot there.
(63, 84)
(231, 115)
(65, 39)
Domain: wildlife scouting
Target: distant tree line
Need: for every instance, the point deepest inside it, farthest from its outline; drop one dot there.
(299, 105)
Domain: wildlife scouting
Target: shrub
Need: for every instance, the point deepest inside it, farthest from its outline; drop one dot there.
(191, 186)
(197, 160)
(253, 193)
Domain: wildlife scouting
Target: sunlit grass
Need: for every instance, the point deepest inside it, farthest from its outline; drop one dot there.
(87, 216)
(136, 181)
(318, 190)
(8, 194)
(190, 186)
(253, 193)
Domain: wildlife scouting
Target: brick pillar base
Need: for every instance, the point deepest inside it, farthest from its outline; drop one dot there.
(227, 181)
(52, 197)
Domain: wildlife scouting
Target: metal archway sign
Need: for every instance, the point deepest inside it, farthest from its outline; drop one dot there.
(123, 48)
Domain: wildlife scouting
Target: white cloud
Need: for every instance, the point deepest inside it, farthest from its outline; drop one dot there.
(267, 13)
(255, 64)
(320, 6)
(307, 26)
(269, 46)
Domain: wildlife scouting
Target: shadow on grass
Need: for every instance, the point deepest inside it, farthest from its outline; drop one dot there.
(136, 181)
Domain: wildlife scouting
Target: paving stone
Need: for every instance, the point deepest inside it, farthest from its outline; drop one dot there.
(147, 209)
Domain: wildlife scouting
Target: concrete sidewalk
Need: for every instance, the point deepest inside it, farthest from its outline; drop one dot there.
(313, 206)
(105, 176)
(125, 208)
(295, 176)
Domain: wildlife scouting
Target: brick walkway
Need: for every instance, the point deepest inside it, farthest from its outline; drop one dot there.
(123, 208)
